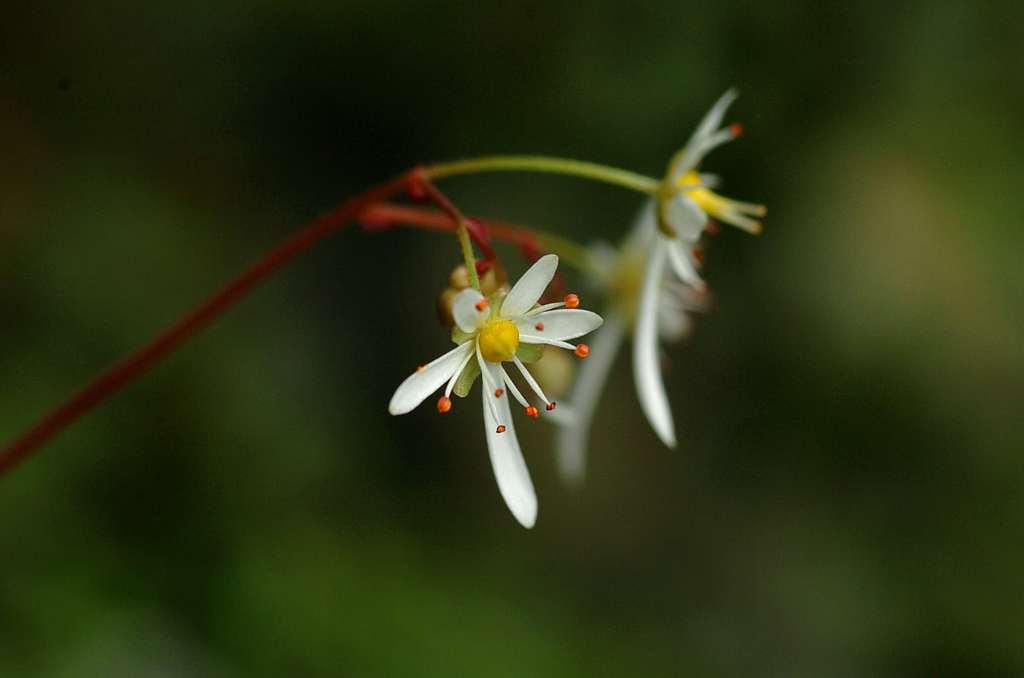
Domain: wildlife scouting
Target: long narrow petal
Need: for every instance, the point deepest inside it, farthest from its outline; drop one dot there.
(424, 381)
(506, 458)
(527, 291)
(696, 148)
(646, 369)
(469, 310)
(573, 435)
(561, 324)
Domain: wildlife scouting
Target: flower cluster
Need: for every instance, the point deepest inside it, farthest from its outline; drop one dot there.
(652, 283)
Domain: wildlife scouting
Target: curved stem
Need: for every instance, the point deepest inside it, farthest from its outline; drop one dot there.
(536, 163)
(136, 363)
(384, 215)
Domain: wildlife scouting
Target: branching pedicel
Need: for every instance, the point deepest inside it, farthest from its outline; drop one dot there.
(493, 323)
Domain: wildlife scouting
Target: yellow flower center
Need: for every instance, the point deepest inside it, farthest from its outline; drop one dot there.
(499, 341)
(705, 198)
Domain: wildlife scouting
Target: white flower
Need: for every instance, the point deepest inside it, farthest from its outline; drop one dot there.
(489, 332)
(655, 304)
(686, 198)
(623, 275)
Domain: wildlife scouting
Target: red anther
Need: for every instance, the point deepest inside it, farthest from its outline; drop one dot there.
(712, 227)
(415, 187)
(699, 256)
(550, 406)
(582, 351)
(736, 130)
(501, 429)
(499, 393)
(481, 305)
(571, 301)
(482, 266)
(531, 411)
(540, 327)
(444, 404)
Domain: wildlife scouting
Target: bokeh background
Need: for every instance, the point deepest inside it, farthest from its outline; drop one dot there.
(847, 498)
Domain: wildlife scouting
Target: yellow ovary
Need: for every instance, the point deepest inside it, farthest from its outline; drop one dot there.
(499, 341)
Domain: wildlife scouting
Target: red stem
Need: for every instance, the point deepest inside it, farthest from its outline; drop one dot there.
(134, 364)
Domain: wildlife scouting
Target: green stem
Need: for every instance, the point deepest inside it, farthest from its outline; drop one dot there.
(467, 254)
(536, 163)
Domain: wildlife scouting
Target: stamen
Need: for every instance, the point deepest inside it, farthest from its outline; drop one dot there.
(501, 429)
(529, 380)
(540, 327)
(736, 130)
(582, 351)
(571, 301)
(541, 309)
(481, 305)
(420, 368)
(512, 387)
(498, 393)
(531, 411)
(444, 404)
(485, 377)
(458, 373)
(550, 406)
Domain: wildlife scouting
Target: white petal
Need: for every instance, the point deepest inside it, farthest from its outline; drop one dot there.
(527, 291)
(678, 255)
(697, 146)
(467, 316)
(571, 442)
(646, 369)
(685, 216)
(506, 458)
(562, 324)
(421, 383)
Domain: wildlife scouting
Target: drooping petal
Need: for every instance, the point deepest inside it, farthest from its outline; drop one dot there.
(561, 324)
(527, 291)
(575, 417)
(421, 383)
(469, 310)
(678, 255)
(506, 458)
(685, 216)
(650, 388)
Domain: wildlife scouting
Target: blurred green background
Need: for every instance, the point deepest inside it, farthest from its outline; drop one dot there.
(848, 495)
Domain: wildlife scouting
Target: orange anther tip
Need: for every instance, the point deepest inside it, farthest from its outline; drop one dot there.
(532, 411)
(582, 351)
(571, 301)
(444, 404)
(420, 368)
(736, 129)
(550, 407)
(501, 429)
(481, 305)
(540, 327)
(498, 393)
